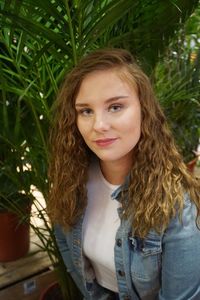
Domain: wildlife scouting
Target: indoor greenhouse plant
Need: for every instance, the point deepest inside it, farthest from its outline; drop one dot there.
(15, 182)
(177, 85)
(15, 207)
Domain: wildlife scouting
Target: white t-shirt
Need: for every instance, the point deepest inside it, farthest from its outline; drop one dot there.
(101, 222)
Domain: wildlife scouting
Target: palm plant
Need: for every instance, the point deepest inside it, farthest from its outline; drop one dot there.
(179, 97)
(42, 40)
(177, 82)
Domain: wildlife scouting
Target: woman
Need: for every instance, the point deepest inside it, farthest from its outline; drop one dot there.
(124, 206)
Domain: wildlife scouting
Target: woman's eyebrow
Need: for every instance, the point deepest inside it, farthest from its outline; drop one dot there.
(107, 101)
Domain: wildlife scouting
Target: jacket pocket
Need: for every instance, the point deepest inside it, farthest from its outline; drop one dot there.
(146, 264)
(151, 247)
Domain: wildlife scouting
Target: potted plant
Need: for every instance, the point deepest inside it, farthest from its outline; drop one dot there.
(15, 206)
(14, 231)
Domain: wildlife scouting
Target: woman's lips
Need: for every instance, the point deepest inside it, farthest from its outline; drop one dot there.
(105, 142)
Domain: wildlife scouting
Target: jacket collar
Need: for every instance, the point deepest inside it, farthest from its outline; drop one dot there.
(124, 187)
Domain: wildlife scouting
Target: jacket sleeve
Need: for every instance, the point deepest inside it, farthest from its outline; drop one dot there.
(181, 258)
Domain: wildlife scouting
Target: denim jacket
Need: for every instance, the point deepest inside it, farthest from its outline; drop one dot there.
(160, 267)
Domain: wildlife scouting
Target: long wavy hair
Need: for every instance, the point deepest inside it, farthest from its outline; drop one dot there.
(158, 177)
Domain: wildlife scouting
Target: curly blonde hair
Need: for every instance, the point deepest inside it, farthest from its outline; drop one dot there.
(158, 177)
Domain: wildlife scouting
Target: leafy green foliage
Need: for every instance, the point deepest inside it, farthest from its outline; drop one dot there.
(68, 29)
(180, 100)
(177, 82)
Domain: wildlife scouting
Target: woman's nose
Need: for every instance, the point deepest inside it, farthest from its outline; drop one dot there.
(101, 123)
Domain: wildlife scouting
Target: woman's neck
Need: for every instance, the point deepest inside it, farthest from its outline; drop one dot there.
(115, 172)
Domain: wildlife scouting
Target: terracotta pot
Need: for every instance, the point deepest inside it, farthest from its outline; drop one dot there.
(191, 165)
(52, 292)
(14, 237)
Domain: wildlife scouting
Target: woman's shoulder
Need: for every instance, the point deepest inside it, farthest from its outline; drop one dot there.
(184, 223)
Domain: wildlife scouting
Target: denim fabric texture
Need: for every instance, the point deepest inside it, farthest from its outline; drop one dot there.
(160, 267)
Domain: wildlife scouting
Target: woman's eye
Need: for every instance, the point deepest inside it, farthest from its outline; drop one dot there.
(85, 112)
(115, 107)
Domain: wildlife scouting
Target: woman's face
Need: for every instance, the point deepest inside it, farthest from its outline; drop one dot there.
(108, 115)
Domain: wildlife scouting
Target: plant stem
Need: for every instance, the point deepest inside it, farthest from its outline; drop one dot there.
(73, 44)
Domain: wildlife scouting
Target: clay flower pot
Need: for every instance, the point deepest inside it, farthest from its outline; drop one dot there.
(52, 292)
(14, 237)
(191, 165)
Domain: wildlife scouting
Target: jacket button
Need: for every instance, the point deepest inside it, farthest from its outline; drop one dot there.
(121, 273)
(119, 242)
